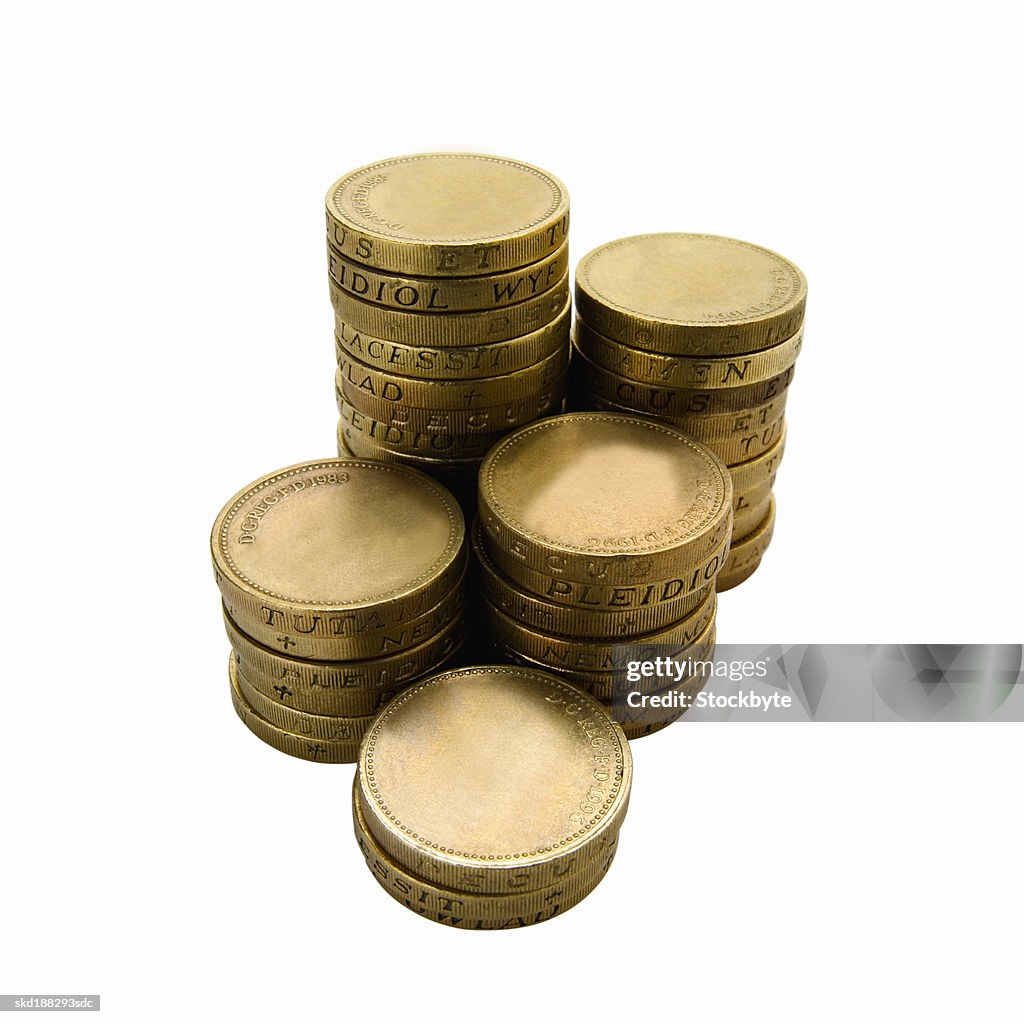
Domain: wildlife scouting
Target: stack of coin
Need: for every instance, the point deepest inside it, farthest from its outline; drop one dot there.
(599, 534)
(491, 797)
(449, 279)
(342, 583)
(701, 332)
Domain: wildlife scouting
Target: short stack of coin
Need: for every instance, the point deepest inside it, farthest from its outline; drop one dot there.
(701, 332)
(491, 797)
(342, 583)
(449, 279)
(599, 534)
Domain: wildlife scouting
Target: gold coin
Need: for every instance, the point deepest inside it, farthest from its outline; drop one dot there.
(483, 419)
(747, 553)
(503, 775)
(739, 447)
(475, 910)
(589, 496)
(667, 401)
(480, 328)
(690, 295)
(338, 558)
(348, 688)
(699, 373)
(391, 389)
(359, 429)
(450, 472)
(584, 620)
(335, 728)
(464, 362)
(597, 654)
(447, 294)
(750, 509)
(760, 470)
(597, 593)
(605, 684)
(344, 751)
(447, 214)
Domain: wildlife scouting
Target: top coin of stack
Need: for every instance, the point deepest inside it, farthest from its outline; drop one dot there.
(598, 531)
(701, 332)
(449, 279)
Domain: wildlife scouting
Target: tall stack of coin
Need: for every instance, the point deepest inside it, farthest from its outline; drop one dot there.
(342, 583)
(701, 332)
(491, 797)
(449, 280)
(600, 533)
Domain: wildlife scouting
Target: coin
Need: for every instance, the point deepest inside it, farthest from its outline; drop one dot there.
(347, 688)
(668, 401)
(480, 328)
(343, 751)
(447, 214)
(483, 419)
(591, 496)
(464, 362)
(450, 472)
(447, 294)
(750, 509)
(334, 728)
(337, 558)
(739, 447)
(506, 776)
(700, 373)
(391, 389)
(358, 428)
(690, 295)
(584, 620)
(591, 654)
(654, 595)
(747, 553)
(760, 470)
(474, 910)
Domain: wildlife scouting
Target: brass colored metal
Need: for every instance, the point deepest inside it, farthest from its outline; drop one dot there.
(600, 682)
(392, 390)
(475, 910)
(760, 470)
(688, 372)
(651, 594)
(484, 419)
(464, 362)
(593, 654)
(497, 774)
(447, 214)
(690, 295)
(358, 428)
(344, 751)
(357, 445)
(447, 294)
(335, 728)
(583, 620)
(747, 553)
(593, 496)
(340, 559)
(750, 509)
(481, 328)
(346, 688)
(663, 400)
(740, 447)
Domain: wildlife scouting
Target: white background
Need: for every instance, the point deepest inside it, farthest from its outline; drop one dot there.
(167, 338)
